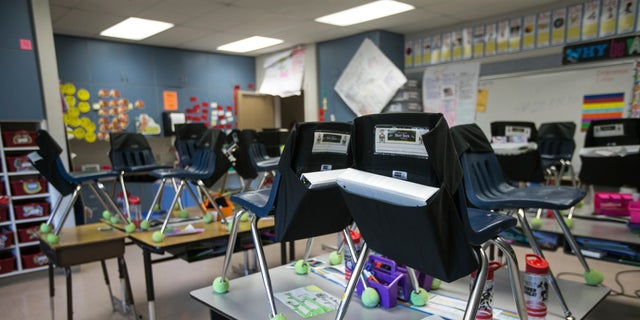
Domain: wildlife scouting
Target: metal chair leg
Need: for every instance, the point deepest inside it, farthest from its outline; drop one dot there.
(536, 249)
(307, 250)
(156, 199)
(105, 273)
(262, 263)
(351, 285)
(232, 242)
(74, 197)
(204, 190)
(571, 240)
(52, 291)
(102, 195)
(514, 275)
(173, 203)
(478, 285)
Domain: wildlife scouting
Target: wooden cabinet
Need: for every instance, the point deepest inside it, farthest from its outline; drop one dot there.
(24, 203)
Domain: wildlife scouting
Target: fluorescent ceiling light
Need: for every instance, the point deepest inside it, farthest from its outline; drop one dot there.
(366, 12)
(250, 44)
(136, 29)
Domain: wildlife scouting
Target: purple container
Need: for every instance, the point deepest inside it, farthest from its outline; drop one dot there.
(384, 270)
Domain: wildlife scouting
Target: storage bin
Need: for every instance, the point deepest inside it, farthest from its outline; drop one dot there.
(19, 163)
(28, 233)
(2, 192)
(386, 280)
(32, 257)
(634, 212)
(4, 208)
(613, 204)
(6, 238)
(7, 262)
(21, 138)
(31, 210)
(28, 186)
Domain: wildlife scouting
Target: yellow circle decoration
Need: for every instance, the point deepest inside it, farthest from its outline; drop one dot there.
(73, 112)
(84, 106)
(74, 121)
(78, 133)
(90, 137)
(69, 88)
(83, 95)
(70, 100)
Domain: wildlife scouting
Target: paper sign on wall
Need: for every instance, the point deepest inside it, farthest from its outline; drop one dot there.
(170, 99)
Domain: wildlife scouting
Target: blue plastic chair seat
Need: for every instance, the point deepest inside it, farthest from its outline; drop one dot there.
(261, 201)
(81, 177)
(486, 224)
(188, 173)
(144, 168)
(548, 197)
(268, 165)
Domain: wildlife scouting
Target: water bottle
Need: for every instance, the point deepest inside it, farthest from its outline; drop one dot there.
(349, 263)
(485, 309)
(135, 210)
(536, 286)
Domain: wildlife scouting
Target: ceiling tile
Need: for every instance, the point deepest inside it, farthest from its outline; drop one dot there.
(84, 23)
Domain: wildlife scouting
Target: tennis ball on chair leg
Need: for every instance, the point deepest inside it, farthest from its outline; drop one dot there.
(207, 218)
(419, 298)
(335, 258)
(370, 297)
(184, 213)
(157, 236)
(536, 223)
(244, 217)
(130, 228)
(52, 238)
(568, 222)
(220, 285)
(435, 284)
(115, 219)
(106, 215)
(301, 267)
(278, 316)
(593, 277)
(156, 207)
(145, 224)
(45, 228)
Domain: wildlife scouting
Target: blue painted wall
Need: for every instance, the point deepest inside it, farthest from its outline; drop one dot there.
(20, 90)
(334, 56)
(144, 72)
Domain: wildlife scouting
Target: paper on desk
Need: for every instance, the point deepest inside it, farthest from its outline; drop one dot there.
(308, 301)
(187, 230)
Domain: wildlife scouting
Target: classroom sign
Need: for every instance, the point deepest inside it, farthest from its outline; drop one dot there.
(623, 47)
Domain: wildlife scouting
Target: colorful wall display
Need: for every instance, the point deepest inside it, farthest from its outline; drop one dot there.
(601, 106)
(622, 47)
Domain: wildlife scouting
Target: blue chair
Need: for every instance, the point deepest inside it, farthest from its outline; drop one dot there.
(556, 146)
(130, 155)
(299, 212)
(486, 188)
(251, 158)
(207, 163)
(47, 161)
(441, 238)
(187, 137)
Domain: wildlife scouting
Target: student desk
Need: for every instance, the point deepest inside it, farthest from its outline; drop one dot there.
(84, 244)
(246, 298)
(189, 247)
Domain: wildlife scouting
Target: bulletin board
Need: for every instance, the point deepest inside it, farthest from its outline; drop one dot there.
(553, 95)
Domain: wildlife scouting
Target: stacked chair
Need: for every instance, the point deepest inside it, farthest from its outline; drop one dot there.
(207, 162)
(300, 212)
(606, 161)
(251, 158)
(486, 188)
(556, 146)
(441, 237)
(525, 166)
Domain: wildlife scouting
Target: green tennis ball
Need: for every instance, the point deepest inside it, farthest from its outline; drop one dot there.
(593, 277)
(45, 228)
(244, 217)
(229, 225)
(184, 213)
(145, 224)
(156, 207)
(370, 297)
(419, 298)
(157, 236)
(435, 284)
(568, 222)
(220, 285)
(52, 238)
(536, 223)
(130, 228)
(278, 316)
(207, 218)
(176, 206)
(115, 219)
(335, 258)
(301, 267)
(580, 204)
(106, 215)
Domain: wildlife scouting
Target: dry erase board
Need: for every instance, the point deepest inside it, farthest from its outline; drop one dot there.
(552, 95)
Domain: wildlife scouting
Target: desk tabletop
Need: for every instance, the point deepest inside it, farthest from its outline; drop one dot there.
(590, 227)
(84, 235)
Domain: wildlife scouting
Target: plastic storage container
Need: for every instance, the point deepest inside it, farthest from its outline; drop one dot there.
(7, 262)
(28, 187)
(613, 204)
(21, 138)
(32, 257)
(386, 280)
(19, 163)
(28, 233)
(31, 210)
(6, 238)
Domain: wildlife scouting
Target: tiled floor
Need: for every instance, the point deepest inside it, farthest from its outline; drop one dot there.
(26, 296)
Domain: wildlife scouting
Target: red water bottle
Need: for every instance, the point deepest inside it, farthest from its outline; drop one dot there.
(485, 309)
(536, 286)
(349, 263)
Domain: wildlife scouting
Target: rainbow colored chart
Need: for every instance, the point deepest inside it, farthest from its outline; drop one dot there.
(601, 106)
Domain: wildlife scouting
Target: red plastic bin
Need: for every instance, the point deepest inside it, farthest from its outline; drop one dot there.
(28, 233)
(21, 138)
(613, 204)
(4, 212)
(31, 210)
(32, 257)
(19, 163)
(28, 186)
(7, 262)
(6, 239)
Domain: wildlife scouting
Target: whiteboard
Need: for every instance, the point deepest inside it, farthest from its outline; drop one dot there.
(553, 95)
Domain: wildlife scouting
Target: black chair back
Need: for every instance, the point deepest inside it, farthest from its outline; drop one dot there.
(243, 139)
(129, 150)
(613, 132)
(50, 165)
(555, 140)
(212, 142)
(187, 136)
(507, 128)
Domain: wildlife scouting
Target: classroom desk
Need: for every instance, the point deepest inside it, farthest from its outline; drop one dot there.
(84, 244)
(248, 291)
(190, 247)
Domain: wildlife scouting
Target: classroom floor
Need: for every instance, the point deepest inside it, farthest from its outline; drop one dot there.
(26, 296)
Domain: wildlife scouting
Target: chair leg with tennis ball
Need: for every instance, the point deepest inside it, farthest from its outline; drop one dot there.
(478, 285)
(353, 281)
(221, 283)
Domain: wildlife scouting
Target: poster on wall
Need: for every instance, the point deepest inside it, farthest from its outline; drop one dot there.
(558, 27)
(503, 36)
(478, 41)
(601, 106)
(528, 32)
(452, 90)
(490, 39)
(590, 19)
(456, 45)
(543, 29)
(417, 52)
(369, 81)
(436, 49)
(426, 50)
(574, 23)
(408, 54)
(445, 50)
(608, 17)
(515, 34)
(283, 73)
(467, 49)
(627, 15)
